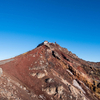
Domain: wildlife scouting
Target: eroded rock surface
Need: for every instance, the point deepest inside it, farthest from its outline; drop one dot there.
(49, 72)
(1, 72)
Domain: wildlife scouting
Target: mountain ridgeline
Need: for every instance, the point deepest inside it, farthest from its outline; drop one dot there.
(49, 72)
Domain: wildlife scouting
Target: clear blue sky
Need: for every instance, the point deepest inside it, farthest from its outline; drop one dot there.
(74, 24)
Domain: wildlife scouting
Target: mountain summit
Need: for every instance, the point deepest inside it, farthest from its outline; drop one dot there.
(49, 72)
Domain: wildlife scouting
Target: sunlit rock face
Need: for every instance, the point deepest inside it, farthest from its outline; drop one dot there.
(49, 72)
(46, 42)
(1, 72)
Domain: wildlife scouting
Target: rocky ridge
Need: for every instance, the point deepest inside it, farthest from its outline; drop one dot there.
(49, 72)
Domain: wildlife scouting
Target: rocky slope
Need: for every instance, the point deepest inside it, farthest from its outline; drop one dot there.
(49, 72)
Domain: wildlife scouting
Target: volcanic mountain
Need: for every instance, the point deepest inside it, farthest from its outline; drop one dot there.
(49, 72)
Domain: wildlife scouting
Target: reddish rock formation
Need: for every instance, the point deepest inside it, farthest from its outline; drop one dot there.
(49, 72)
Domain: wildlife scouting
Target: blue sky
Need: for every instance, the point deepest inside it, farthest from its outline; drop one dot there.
(74, 24)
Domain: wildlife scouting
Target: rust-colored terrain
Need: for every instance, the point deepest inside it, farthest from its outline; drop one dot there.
(49, 72)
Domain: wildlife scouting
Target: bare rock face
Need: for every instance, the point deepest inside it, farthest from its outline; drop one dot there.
(50, 90)
(40, 75)
(49, 72)
(49, 80)
(1, 72)
(60, 89)
(46, 42)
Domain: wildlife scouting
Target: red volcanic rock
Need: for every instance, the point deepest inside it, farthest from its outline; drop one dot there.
(49, 72)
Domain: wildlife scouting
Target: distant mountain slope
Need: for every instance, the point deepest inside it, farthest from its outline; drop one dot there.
(49, 72)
